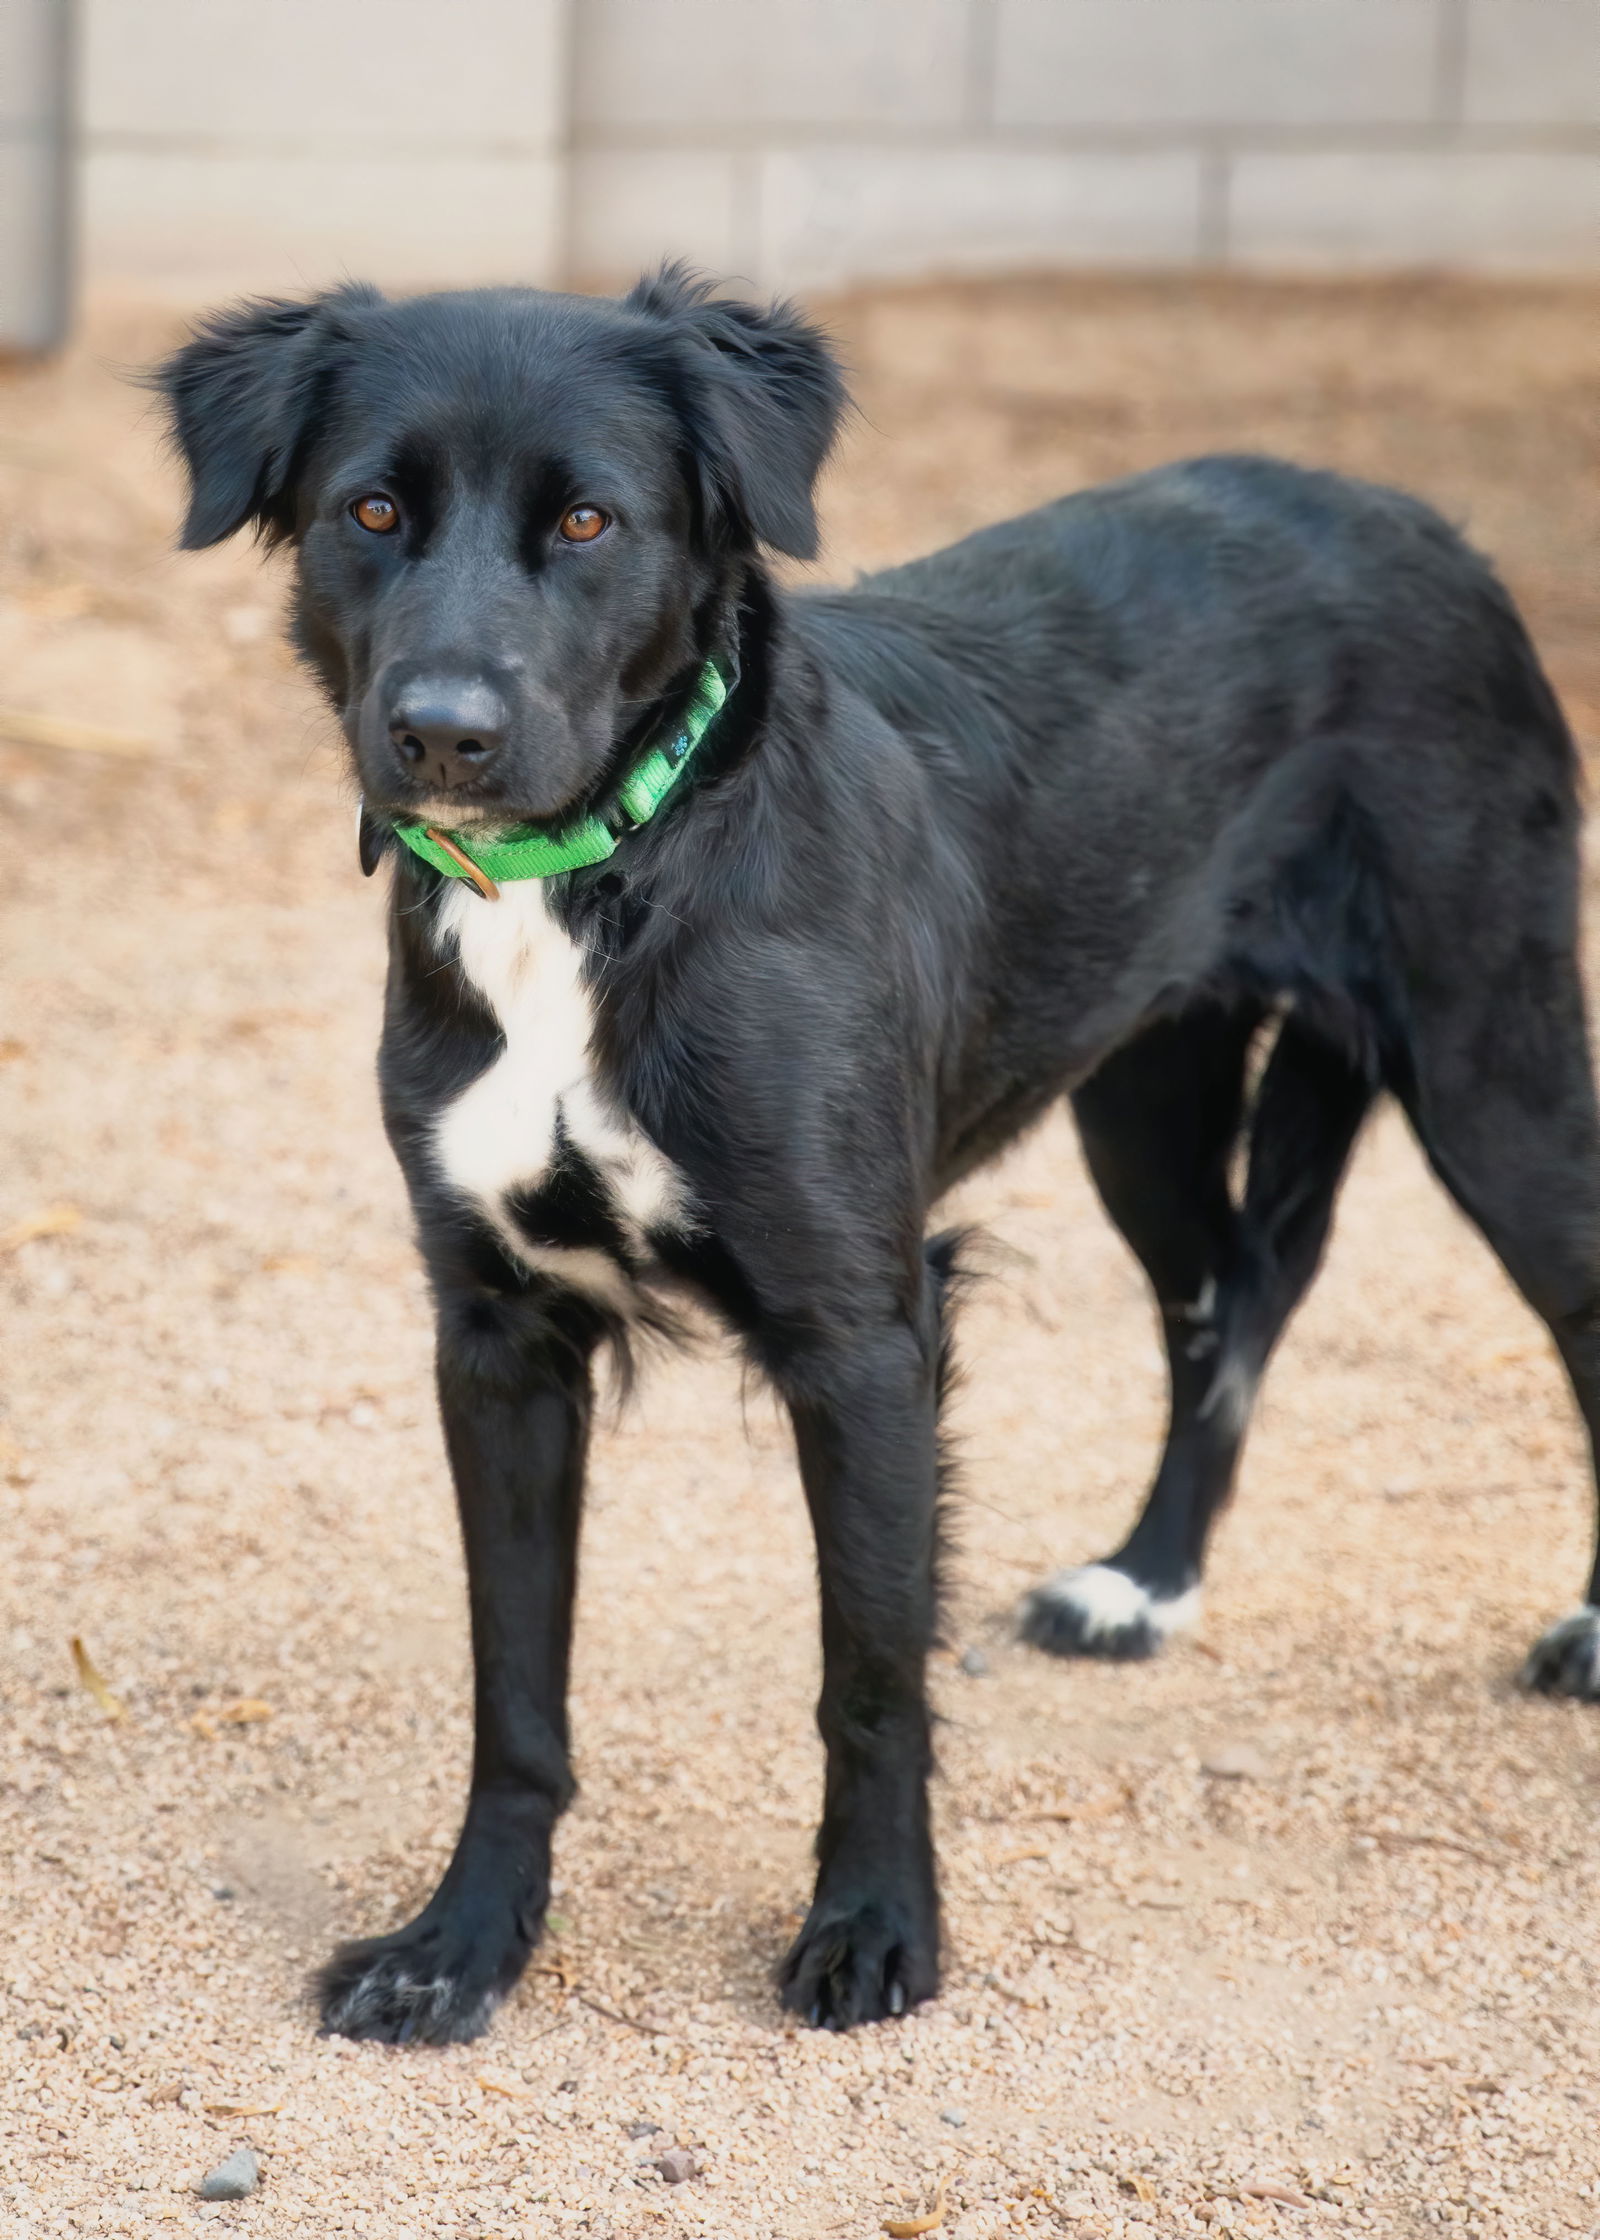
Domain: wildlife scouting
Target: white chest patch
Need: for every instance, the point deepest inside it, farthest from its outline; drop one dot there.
(498, 1139)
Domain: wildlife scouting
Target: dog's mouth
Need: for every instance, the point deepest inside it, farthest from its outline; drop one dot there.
(453, 813)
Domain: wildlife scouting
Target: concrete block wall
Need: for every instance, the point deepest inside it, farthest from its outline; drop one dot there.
(801, 143)
(811, 142)
(272, 144)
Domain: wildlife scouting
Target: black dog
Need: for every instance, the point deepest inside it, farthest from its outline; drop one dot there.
(840, 893)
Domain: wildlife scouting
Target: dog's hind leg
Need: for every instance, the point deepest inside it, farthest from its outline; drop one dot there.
(1159, 1123)
(1503, 1101)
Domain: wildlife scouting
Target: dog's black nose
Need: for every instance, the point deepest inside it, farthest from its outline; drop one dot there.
(447, 732)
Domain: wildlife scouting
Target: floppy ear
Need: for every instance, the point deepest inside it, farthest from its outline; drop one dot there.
(241, 397)
(762, 395)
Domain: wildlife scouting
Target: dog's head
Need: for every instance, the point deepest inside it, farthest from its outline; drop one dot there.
(514, 515)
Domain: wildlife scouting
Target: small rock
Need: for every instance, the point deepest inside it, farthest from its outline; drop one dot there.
(953, 2117)
(974, 1663)
(676, 2165)
(231, 2180)
(1236, 1761)
(643, 2129)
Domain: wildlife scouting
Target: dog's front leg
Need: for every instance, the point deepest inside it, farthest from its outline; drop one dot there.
(864, 1407)
(514, 1392)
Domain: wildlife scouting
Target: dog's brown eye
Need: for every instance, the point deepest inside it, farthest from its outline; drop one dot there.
(380, 515)
(583, 524)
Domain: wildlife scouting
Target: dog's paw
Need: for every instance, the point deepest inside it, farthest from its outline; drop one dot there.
(866, 1962)
(1566, 1660)
(431, 1983)
(1095, 1610)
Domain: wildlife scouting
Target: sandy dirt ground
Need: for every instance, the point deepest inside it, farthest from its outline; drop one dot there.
(1345, 1980)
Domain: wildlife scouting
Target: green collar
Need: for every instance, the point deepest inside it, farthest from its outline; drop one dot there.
(525, 851)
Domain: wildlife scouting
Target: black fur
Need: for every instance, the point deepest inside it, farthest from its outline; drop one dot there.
(1087, 805)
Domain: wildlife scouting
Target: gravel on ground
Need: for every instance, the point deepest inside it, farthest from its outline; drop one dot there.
(1294, 1930)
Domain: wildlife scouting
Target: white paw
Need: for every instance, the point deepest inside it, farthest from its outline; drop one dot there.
(1095, 1610)
(375, 1990)
(1566, 1660)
